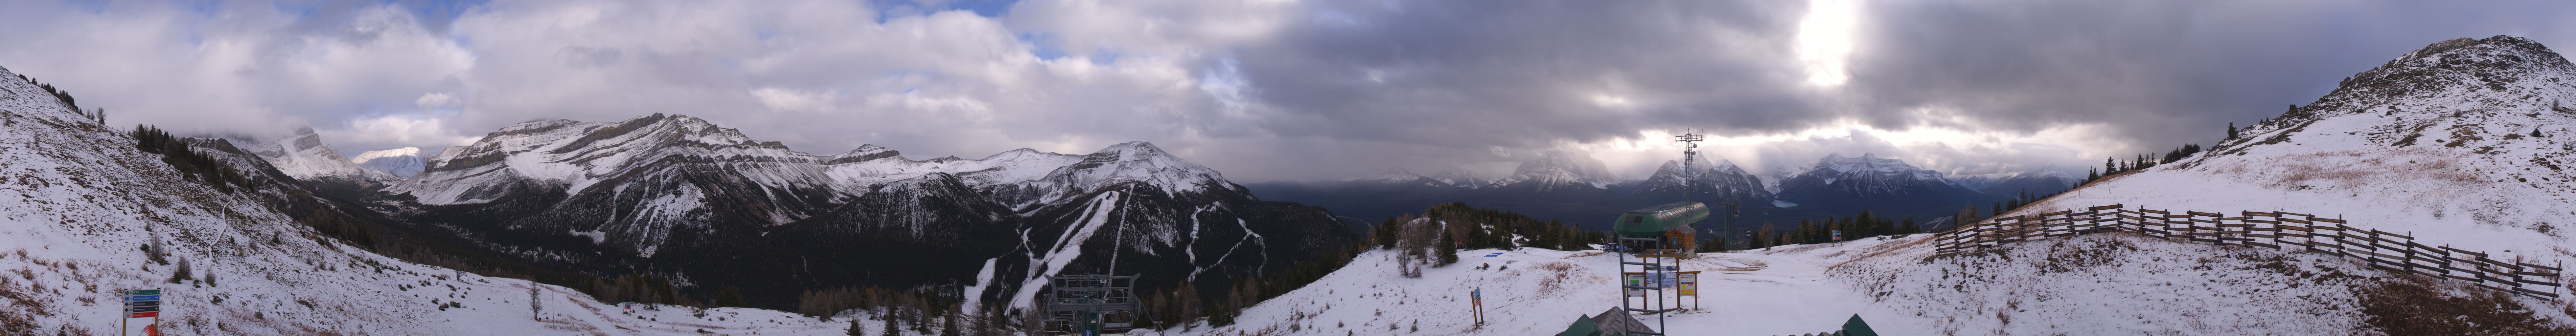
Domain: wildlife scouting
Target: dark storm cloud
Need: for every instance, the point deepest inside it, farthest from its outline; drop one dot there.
(1523, 74)
(2146, 75)
(2165, 72)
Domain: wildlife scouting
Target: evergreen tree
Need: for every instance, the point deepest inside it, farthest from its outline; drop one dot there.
(729, 297)
(2535, 132)
(1385, 233)
(949, 327)
(856, 329)
(2090, 175)
(2231, 131)
(1448, 250)
(892, 325)
(2110, 166)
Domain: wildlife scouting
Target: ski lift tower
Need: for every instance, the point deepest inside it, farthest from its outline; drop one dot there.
(1089, 304)
(1690, 139)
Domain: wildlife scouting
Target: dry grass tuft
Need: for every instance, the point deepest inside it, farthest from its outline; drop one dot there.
(1552, 276)
(2414, 305)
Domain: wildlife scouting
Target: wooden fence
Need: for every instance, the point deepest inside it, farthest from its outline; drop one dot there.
(2276, 230)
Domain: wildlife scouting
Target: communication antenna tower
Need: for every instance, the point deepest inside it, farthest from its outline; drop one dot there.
(1690, 139)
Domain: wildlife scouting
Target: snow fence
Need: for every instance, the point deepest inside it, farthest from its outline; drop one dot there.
(2276, 230)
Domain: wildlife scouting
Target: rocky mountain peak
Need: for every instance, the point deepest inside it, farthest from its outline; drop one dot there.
(1137, 161)
(304, 156)
(2446, 69)
(862, 154)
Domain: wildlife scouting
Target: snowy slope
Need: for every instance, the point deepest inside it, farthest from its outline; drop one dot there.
(400, 162)
(90, 203)
(2102, 284)
(1538, 292)
(2437, 143)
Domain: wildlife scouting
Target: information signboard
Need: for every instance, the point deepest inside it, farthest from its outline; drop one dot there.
(1838, 235)
(143, 303)
(1689, 283)
(1635, 280)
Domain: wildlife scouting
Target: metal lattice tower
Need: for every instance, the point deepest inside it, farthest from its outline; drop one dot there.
(1690, 139)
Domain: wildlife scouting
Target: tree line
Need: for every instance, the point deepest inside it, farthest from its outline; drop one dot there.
(1854, 227)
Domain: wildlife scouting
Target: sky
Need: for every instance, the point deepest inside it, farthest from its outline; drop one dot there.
(1259, 89)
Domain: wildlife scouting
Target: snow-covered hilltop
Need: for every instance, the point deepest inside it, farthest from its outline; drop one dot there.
(2463, 142)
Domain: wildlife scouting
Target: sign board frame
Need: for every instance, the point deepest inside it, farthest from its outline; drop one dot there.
(1688, 283)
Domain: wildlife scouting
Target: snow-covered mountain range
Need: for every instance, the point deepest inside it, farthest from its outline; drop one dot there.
(2042, 181)
(1559, 170)
(304, 156)
(1716, 180)
(679, 197)
(399, 162)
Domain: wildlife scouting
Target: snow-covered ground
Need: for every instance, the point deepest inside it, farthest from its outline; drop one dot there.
(1539, 292)
(2101, 284)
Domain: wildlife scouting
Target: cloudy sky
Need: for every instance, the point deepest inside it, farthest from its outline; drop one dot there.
(1259, 89)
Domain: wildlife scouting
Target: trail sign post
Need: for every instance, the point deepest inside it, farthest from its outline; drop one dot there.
(140, 303)
(1478, 309)
(1838, 235)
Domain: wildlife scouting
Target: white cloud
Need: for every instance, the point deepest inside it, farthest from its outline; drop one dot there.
(1825, 39)
(396, 129)
(435, 100)
(790, 100)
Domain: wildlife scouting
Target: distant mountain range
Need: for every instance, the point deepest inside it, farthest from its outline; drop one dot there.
(399, 162)
(1571, 187)
(679, 198)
